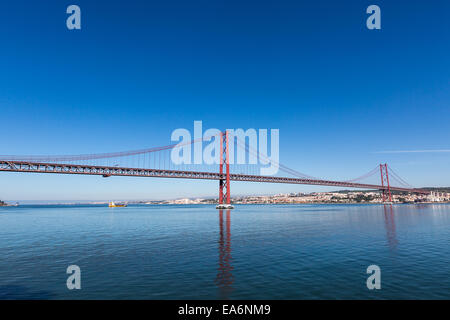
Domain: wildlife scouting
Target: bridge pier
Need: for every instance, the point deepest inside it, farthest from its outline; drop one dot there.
(386, 190)
(224, 182)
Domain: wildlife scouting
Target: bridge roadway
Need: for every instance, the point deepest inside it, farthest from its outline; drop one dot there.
(106, 171)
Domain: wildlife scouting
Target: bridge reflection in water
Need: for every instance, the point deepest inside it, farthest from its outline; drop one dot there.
(224, 279)
(389, 221)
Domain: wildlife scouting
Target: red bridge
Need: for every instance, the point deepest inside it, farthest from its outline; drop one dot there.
(154, 162)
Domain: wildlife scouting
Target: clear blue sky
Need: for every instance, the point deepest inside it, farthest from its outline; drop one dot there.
(345, 98)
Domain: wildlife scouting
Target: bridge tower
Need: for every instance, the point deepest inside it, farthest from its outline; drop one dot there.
(386, 191)
(224, 182)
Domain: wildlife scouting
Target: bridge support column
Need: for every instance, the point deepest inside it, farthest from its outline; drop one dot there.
(386, 190)
(224, 182)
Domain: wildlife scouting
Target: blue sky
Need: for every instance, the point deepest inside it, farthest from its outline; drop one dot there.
(345, 98)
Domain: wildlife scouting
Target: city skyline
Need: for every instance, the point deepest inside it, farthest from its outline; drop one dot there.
(343, 97)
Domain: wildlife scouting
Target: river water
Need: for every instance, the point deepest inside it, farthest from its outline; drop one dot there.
(251, 252)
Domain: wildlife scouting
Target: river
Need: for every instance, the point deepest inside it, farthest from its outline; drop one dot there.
(251, 252)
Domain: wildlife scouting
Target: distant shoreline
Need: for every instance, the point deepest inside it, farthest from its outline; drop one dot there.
(213, 204)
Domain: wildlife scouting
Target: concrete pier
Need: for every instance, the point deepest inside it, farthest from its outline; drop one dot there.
(224, 206)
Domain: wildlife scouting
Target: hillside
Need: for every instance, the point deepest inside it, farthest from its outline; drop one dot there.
(437, 189)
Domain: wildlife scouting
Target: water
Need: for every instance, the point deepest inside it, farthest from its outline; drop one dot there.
(252, 252)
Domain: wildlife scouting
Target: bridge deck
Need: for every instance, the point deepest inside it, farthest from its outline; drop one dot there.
(38, 167)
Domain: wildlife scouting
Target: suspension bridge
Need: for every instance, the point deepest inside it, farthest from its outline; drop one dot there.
(156, 162)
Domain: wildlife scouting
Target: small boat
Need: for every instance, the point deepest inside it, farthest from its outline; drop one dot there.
(114, 205)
